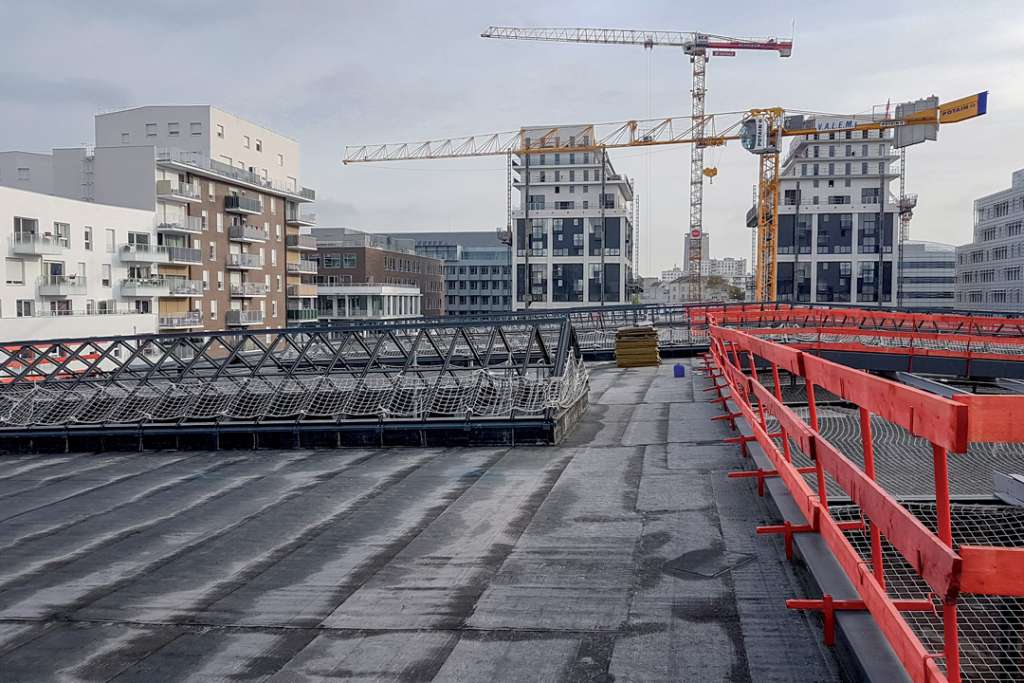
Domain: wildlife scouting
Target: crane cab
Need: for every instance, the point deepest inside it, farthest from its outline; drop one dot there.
(757, 136)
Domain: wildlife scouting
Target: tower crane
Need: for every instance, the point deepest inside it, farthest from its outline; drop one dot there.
(699, 47)
(759, 130)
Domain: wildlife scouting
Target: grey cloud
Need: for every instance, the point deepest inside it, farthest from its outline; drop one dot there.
(23, 89)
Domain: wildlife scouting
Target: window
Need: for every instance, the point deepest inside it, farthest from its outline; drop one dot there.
(87, 238)
(62, 233)
(15, 271)
(348, 260)
(213, 309)
(279, 283)
(196, 128)
(220, 131)
(26, 308)
(273, 309)
(150, 130)
(280, 160)
(220, 222)
(206, 280)
(273, 257)
(220, 280)
(125, 138)
(245, 141)
(109, 235)
(105, 275)
(173, 128)
(213, 251)
(259, 148)
(24, 173)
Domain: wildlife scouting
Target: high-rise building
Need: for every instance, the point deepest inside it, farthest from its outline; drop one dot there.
(832, 186)
(369, 276)
(927, 275)
(69, 268)
(477, 269)
(226, 198)
(990, 269)
(566, 256)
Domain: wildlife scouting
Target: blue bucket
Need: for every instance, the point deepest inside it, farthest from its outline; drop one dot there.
(679, 370)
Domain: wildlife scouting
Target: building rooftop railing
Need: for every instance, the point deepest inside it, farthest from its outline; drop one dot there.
(198, 160)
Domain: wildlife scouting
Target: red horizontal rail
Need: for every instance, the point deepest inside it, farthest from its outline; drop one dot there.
(992, 571)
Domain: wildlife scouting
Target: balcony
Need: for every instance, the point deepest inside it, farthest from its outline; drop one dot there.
(302, 267)
(144, 253)
(173, 191)
(249, 289)
(234, 203)
(302, 314)
(186, 225)
(295, 218)
(61, 285)
(177, 286)
(308, 194)
(300, 242)
(34, 245)
(144, 286)
(244, 261)
(247, 233)
(184, 255)
(301, 291)
(239, 317)
(180, 321)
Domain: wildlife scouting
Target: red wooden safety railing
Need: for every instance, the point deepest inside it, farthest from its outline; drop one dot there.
(736, 358)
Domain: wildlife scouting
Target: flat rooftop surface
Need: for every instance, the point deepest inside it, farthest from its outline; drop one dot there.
(623, 554)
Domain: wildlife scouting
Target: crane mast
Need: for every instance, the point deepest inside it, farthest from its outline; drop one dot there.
(696, 46)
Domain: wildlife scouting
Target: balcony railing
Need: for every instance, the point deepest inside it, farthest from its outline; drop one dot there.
(184, 255)
(175, 191)
(249, 289)
(192, 225)
(239, 204)
(144, 286)
(305, 267)
(247, 233)
(299, 291)
(180, 287)
(295, 218)
(302, 314)
(181, 320)
(178, 156)
(238, 317)
(300, 242)
(144, 253)
(61, 285)
(244, 261)
(35, 245)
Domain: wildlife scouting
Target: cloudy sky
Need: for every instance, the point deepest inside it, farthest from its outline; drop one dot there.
(336, 73)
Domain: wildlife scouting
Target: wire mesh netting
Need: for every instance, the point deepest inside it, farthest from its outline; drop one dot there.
(991, 627)
(427, 371)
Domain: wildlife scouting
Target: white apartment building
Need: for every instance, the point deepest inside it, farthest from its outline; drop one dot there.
(562, 250)
(210, 133)
(227, 249)
(927, 275)
(828, 241)
(68, 271)
(990, 269)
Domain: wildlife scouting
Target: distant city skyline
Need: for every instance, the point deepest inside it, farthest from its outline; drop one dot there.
(362, 74)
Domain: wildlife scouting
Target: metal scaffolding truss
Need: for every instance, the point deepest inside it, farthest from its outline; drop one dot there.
(413, 371)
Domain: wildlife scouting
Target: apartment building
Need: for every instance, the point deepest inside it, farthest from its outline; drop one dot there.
(831, 186)
(705, 254)
(227, 247)
(564, 254)
(68, 268)
(927, 275)
(362, 275)
(990, 269)
(477, 269)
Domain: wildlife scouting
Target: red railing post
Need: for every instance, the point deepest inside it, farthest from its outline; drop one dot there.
(944, 520)
(819, 469)
(869, 469)
(778, 396)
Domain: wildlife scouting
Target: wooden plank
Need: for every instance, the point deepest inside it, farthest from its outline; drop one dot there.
(993, 419)
(992, 571)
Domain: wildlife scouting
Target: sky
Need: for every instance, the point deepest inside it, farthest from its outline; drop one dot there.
(331, 74)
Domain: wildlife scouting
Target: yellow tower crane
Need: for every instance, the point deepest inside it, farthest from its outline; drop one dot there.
(760, 131)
